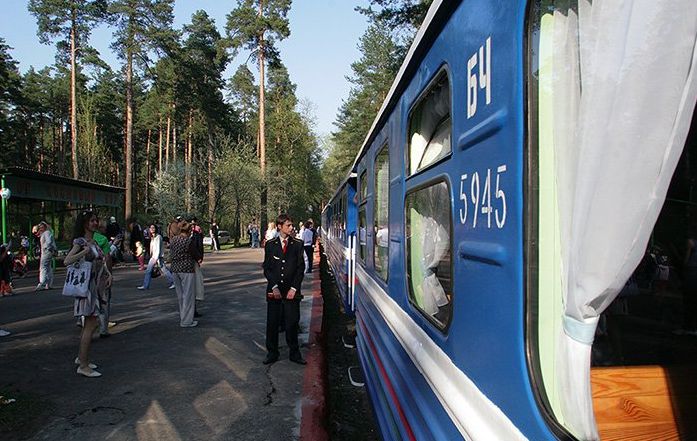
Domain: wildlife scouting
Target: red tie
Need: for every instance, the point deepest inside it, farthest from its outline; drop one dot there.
(285, 245)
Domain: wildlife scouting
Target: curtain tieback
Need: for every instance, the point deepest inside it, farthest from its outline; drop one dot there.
(581, 331)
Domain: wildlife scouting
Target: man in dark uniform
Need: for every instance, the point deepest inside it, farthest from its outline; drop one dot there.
(284, 267)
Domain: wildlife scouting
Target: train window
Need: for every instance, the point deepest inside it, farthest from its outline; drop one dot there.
(361, 233)
(430, 125)
(382, 187)
(428, 247)
(343, 216)
(364, 186)
(641, 360)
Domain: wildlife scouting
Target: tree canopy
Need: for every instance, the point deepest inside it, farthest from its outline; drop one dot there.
(171, 127)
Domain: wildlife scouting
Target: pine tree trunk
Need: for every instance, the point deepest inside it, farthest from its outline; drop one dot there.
(169, 121)
(188, 159)
(211, 184)
(61, 149)
(174, 143)
(262, 133)
(129, 134)
(73, 101)
(42, 142)
(147, 170)
(159, 148)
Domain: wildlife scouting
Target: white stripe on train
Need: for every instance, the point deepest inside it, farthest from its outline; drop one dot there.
(474, 415)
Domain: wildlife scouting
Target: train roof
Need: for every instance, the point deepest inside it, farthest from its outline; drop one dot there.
(436, 17)
(351, 176)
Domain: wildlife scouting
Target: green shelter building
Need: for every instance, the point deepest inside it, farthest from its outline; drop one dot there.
(37, 196)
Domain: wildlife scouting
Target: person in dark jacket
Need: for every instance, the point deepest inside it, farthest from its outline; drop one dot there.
(136, 234)
(284, 267)
(184, 255)
(197, 240)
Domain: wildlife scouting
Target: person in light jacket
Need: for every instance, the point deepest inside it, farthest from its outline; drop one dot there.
(48, 251)
(156, 258)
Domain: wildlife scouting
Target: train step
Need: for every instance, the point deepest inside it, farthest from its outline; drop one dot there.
(356, 376)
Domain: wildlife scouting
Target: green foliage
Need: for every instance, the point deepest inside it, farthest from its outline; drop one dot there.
(10, 98)
(168, 192)
(246, 27)
(294, 177)
(372, 77)
(238, 184)
(204, 60)
(58, 18)
(141, 26)
(93, 152)
(244, 98)
(177, 77)
(404, 15)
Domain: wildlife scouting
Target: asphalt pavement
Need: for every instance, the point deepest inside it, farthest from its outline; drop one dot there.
(160, 381)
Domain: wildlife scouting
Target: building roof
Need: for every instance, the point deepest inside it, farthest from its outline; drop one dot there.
(48, 177)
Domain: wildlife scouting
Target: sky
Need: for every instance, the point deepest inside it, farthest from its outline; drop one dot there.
(318, 54)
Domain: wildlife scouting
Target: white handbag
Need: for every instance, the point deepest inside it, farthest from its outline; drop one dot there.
(77, 279)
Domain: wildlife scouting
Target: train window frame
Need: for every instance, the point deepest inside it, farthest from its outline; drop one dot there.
(362, 247)
(443, 72)
(363, 186)
(376, 193)
(344, 214)
(531, 218)
(363, 195)
(437, 180)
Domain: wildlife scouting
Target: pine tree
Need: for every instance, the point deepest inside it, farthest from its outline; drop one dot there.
(71, 21)
(372, 77)
(401, 15)
(10, 97)
(141, 26)
(205, 59)
(255, 25)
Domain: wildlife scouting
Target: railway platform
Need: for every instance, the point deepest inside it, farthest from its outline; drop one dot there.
(160, 381)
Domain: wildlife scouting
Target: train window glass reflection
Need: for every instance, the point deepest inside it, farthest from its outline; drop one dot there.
(430, 125)
(428, 252)
(364, 186)
(361, 233)
(382, 184)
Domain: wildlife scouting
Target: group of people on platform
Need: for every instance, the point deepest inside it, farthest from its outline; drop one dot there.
(183, 274)
(287, 257)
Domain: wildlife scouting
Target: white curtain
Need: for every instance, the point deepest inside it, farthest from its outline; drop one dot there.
(623, 106)
(435, 244)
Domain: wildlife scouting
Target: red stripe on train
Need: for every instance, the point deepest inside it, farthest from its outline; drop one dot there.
(386, 379)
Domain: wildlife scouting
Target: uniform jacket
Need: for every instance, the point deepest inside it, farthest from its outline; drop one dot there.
(284, 270)
(197, 237)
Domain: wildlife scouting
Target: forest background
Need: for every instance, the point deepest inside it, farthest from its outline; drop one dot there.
(171, 129)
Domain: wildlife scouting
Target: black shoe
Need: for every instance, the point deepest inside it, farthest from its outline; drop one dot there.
(270, 359)
(298, 359)
(197, 314)
(105, 335)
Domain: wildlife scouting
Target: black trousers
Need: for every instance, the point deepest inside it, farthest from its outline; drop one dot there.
(308, 252)
(290, 309)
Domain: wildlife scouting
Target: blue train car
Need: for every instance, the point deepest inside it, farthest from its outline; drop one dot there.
(339, 240)
(503, 198)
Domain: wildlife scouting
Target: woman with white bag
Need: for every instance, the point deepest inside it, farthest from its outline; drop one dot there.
(86, 254)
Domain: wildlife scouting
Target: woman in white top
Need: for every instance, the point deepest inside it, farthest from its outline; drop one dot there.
(271, 232)
(156, 258)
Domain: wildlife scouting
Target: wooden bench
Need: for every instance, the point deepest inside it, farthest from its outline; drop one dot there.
(645, 403)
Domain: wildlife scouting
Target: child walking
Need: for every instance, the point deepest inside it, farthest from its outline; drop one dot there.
(140, 254)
